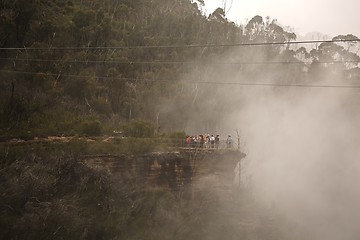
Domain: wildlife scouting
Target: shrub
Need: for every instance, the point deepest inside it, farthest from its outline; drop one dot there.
(92, 128)
(178, 135)
(102, 106)
(138, 128)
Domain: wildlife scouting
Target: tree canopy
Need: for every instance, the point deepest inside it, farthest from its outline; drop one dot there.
(65, 63)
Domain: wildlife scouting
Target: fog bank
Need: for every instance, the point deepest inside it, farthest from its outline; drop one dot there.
(303, 153)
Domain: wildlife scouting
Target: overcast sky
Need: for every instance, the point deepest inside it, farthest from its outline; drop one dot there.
(331, 17)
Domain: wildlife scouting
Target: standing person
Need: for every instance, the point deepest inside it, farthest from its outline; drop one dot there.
(207, 141)
(217, 141)
(187, 141)
(229, 142)
(192, 142)
(212, 141)
(202, 141)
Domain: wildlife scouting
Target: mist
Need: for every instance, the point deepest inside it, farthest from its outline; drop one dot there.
(302, 143)
(302, 149)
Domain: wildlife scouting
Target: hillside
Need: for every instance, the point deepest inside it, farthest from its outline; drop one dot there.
(69, 65)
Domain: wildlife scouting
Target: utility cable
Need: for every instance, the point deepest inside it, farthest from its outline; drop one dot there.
(195, 82)
(183, 46)
(172, 62)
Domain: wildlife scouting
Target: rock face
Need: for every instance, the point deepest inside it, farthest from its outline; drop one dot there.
(176, 170)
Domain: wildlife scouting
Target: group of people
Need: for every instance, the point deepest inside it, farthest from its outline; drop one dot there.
(207, 141)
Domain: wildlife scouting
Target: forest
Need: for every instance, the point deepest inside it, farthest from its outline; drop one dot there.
(91, 67)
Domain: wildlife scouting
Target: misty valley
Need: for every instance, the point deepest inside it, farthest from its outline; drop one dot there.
(130, 119)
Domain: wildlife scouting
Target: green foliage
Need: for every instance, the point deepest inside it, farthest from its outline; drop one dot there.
(35, 207)
(139, 129)
(91, 128)
(76, 88)
(101, 106)
(178, 135)
(87, 79)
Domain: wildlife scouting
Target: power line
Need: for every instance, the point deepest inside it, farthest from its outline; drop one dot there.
(172, 62)
(86, 76)
(182, 46)
(195, 82)
(281, 85)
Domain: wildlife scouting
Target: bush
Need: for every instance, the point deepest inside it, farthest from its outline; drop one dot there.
(102, 106)
(76, 88)
(92, 128)
(178, 135)
(138, 128)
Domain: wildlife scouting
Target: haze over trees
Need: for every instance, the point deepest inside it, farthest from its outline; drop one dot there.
(66, 65)
(163, 68)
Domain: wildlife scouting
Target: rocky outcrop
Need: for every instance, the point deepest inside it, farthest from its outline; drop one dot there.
(176, 169)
